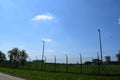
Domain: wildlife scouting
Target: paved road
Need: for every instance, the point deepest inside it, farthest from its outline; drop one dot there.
(8, 77)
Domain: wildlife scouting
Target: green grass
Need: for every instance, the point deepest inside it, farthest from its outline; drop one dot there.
(38, 75)
(76, 68)
(111, 69)
(73, 68)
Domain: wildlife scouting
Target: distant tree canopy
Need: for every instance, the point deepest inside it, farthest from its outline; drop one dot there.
(2, 56)
(16, 55)
(88, 62)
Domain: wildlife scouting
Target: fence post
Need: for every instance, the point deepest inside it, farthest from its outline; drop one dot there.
(36, 63)
(80, 63)
(54, 63)
(29, 64)
(66, 63)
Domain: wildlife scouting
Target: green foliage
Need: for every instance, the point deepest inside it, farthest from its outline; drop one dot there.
(17, 56)
(13, 55)
(2, 56)
(23, 56)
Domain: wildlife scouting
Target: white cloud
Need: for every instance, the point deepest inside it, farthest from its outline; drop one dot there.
(42, 17)
(47, 39)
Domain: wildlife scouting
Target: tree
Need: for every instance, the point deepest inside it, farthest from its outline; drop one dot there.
(17, 56)
(23, 56)
(2, 56)
(14, 55)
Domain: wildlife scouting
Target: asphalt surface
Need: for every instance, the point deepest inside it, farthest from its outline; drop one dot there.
(8, 77)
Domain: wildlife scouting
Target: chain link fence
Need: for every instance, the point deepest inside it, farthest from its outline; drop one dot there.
(86, 65)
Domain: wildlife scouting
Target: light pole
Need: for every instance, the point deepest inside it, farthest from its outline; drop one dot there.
(55, 63)
(43, 53)
(100, 44)
(43, 50)
(80, 63)
(66, 63)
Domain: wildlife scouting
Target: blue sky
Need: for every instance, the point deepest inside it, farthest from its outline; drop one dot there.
(68, 26)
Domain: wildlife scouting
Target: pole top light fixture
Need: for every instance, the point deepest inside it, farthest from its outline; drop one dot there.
(98, 29)
(43, 41)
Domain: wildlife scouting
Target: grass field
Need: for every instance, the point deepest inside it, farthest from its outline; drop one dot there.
(38, 75)
(71, 68)
(50, 71)
(75, 68)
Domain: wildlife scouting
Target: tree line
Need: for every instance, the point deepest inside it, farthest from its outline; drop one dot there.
(15, 56)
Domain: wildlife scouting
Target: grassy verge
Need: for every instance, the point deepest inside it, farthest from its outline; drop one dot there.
(37, 75)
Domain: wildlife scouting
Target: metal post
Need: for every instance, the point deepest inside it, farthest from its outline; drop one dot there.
(98, 62)
(100, 44)
(29, 64)
(43, 50)
(80, 63)
(45, 62)
(43, 53)
(66, 63)
(36, 63)
(55, 64)
(100, 49)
